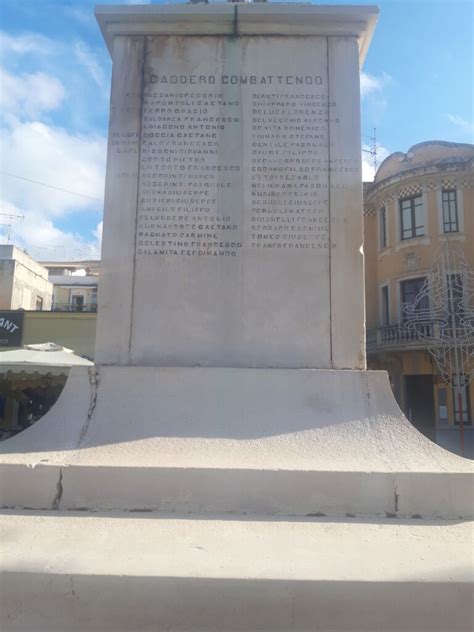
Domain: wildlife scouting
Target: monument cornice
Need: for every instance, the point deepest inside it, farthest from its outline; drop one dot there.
(232, 19)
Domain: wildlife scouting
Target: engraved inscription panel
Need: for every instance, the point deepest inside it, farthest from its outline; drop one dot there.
(233, 223)
(289, 208)
(185, 119)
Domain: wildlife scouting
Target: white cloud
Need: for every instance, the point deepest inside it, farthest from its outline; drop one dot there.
(37, 235)
(466, 126)
(98, 232)
(36, 148)
(25, 43)
(368, 170)
(90, 61)
(370, 84)
(53, 156)
(374, 100)
(83, 15)
(28, 95)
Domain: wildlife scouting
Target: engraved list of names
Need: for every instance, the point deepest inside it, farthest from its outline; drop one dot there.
(232, 162)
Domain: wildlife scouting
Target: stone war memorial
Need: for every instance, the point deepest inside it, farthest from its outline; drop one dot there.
(229, 463)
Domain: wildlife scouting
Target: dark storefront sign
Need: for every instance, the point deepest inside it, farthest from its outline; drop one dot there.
(11, 329)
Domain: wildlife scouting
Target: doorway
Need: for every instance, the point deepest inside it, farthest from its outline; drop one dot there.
(419, 407)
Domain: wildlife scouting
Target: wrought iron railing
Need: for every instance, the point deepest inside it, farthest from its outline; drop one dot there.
(67, 307)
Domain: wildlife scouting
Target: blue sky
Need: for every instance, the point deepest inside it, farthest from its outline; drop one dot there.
(417, 85)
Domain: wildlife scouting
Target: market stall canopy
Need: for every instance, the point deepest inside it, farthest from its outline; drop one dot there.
(45, 358)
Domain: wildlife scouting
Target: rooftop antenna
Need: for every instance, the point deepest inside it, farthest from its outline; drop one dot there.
(372, 150)
(9, 219)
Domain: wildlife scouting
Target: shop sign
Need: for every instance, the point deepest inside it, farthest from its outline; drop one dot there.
(11, 329)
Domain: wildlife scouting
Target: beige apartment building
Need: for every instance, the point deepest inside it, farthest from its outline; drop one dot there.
(418, 201)
(75, 285)
(24, 283)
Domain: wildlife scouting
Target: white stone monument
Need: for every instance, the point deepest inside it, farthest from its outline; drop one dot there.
(233, 231)
(230, 400)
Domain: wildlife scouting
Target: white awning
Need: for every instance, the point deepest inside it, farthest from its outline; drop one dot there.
(41, 358)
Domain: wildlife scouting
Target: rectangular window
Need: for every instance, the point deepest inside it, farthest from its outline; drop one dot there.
(385, 309)
(410, 294)
(382, 228)
(461, 405)
(450, 211)
(412, 217)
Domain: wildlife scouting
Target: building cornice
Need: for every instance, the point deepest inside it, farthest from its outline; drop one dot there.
(438, 170)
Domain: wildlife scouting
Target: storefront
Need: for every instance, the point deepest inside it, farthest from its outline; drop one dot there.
(31, 380)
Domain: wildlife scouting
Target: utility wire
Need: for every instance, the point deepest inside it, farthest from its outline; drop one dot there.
(50, 186)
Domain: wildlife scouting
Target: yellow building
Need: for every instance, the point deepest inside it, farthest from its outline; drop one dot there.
(74, 330)
(24, 283)
(418, 201)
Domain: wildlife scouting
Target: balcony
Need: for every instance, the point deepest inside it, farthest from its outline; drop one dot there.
(68, 307)
(399, 336)
(419, 335)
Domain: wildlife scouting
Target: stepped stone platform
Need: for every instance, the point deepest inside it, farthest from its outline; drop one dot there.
(232, 499)
(272, 441)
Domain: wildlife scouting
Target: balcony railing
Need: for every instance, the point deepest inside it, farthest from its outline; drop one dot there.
(416, 335)
(68, 307)
(398, 335)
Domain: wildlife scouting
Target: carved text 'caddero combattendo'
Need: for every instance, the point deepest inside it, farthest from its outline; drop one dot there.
(288, 80)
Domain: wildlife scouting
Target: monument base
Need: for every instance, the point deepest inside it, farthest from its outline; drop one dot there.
(203, 494)
(240, 441)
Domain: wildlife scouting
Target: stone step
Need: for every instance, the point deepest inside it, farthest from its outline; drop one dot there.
(241, 491)
(81, 572)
